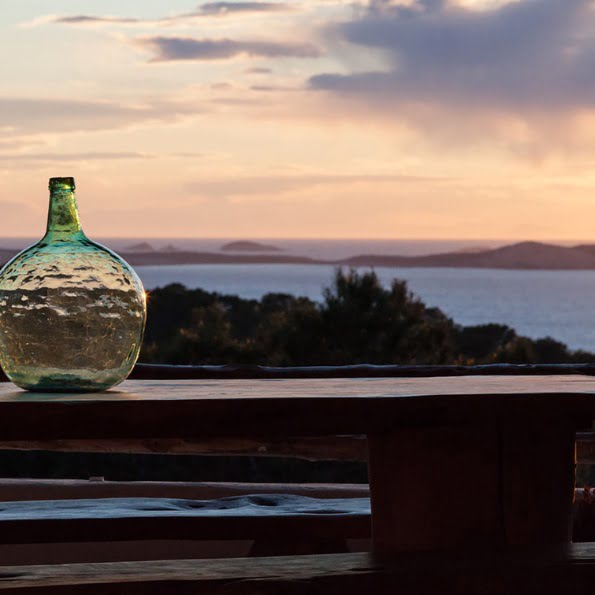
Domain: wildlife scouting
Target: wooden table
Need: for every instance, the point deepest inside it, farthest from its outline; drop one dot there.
(454, 462)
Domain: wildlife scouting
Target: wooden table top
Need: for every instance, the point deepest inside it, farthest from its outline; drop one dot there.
(196, 390)
(197, 408)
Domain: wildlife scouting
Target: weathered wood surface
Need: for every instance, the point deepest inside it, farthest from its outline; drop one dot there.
(330, 448)
(246, 371)
(286, 408)
(258, 516)
(516, 572)
(325, 448)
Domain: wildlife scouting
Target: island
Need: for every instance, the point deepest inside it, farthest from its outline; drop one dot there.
(140, 247)
(249, 246)
(519, 256)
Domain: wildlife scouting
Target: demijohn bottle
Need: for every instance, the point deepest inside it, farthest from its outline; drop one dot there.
(72, 313)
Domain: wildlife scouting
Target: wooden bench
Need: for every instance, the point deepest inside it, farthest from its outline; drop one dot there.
(456, 464)
(517, 571)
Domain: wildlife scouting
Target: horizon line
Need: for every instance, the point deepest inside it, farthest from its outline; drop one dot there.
(314, 239)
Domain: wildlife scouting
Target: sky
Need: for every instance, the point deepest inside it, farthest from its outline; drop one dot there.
(467, 119)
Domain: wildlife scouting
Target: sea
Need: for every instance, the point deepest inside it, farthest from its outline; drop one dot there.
(558, 304)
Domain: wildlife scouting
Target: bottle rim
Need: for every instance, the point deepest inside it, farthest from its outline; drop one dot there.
(66, 182)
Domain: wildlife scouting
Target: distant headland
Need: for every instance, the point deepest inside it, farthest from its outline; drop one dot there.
(522, 256)
(249, 246)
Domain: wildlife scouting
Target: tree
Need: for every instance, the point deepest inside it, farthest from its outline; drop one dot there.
(365, 322)
(478, 344)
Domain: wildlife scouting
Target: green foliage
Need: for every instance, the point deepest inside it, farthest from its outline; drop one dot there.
(480, 343)
(358, 321)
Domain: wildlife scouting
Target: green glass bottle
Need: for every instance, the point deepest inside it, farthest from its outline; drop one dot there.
(72, 313)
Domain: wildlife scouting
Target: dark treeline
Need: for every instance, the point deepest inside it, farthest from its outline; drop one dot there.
(358, 321)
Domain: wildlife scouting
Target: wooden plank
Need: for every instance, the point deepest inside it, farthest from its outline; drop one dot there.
(75, 489)
(435, 488)
(248, 371)
(281, 517)
(514, 572)
(331, 448)
(361, 388)
(325, 448)
(272, 575)
(278, 409)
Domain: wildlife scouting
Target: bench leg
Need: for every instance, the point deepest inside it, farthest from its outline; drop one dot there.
(434, 488)
(456, 487)
(538, 473)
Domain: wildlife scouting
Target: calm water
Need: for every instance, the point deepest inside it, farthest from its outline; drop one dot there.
(560, 304)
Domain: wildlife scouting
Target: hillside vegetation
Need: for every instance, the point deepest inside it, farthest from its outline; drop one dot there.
(358, 321)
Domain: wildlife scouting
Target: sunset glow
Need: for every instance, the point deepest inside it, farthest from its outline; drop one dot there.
(422, 119)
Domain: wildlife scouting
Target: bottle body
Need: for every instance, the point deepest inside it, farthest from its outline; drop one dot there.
(72, 312)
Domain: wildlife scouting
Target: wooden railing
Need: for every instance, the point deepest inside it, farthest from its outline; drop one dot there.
(248, 371)
(241, 371)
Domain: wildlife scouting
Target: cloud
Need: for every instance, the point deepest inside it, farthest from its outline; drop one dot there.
(208, 9)
(168, 49)
(91, 20)
(73, 157)
(521, 56)
(25, 115)
(261, 187)
(225, 8)
(258, 70)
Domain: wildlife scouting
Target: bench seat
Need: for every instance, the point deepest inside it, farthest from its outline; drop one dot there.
(259, 517)
(518, 571)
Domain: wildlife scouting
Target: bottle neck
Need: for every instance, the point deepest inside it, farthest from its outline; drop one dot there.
(63, 217)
